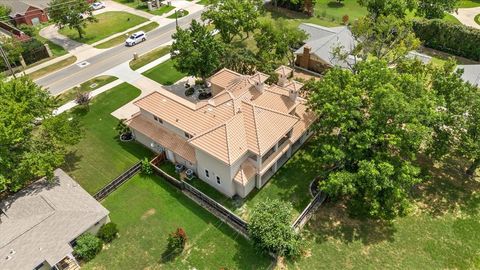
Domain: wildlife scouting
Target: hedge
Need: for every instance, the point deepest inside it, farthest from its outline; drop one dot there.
(456, 39)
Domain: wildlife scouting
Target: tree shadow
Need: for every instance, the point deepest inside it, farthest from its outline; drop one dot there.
(447, 188)
(335, 4)
(333, 221)
(71, 161)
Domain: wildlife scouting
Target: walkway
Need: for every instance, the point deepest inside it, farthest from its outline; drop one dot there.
(467, 16)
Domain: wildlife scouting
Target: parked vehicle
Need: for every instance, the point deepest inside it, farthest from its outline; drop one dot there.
(136, 38)
(98, 5)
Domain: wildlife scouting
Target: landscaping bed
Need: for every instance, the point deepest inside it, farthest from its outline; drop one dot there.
(165, 73)
(109, 23)
(100, 156)
(147, 209)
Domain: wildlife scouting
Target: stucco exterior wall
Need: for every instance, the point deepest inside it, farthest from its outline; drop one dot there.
(166, 125)
(95, 227)
(141, 138)
(215, 168)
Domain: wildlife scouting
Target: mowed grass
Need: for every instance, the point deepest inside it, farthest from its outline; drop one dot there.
(147, 209)
(121, 39)
(441, 233)
(149, 57)
(100, 156)
(468, 3)
(165, 73)
(53, 67)
(109, 23)
(85, 87)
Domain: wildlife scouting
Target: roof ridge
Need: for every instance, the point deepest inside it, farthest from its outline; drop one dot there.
(255, 124)
(271, 110)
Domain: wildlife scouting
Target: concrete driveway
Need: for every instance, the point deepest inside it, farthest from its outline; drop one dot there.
(467, 16)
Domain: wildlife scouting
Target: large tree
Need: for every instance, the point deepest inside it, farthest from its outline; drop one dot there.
(277, 39)
(196, 51)
(433, 9)
(371, 125)
(458, 131)
(397, 8)
(234, 18)
(32, 141)
(71, 14)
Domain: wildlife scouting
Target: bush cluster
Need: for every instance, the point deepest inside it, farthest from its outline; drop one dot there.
(451, 38)
(108, 232)
(88, 246)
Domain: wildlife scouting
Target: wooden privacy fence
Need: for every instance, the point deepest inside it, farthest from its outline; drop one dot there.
(121, 179)
(203, 200)
(307, 213)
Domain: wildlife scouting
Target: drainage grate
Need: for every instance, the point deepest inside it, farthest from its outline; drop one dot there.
(83, 64)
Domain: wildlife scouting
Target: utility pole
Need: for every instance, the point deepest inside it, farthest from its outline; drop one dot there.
(7, 63)
(176, 18)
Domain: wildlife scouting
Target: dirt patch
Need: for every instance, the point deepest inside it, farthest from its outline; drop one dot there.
(150, 212)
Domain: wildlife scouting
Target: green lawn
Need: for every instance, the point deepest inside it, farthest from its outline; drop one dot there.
(53, 67)
(149, 57)
(109, 23)
(162, 10)
(178, 14)
(121, 39)
(141, 5)
(85, 87)
(468, 3)
(165, 73)
(146, 209)
(100, 156)
(441, 233)
(477, 19)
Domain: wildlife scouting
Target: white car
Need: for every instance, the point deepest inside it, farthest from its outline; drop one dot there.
(136, 38)
(98, 5)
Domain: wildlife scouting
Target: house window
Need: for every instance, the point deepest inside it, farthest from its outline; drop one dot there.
(218, 180)
(155, 118)
(188, 135)
(207, 174)
(158, 119)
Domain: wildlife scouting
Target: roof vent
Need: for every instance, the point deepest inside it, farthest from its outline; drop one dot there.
(8, 258)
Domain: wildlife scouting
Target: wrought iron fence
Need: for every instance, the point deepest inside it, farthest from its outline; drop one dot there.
(121, 179)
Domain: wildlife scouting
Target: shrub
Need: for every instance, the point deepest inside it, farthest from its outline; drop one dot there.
(189, 91)
(83, 99)
(451, 38)
(88, 246)
(108, 232)
(345, 19)
(146, 167)
(177, 241)
(270, 229)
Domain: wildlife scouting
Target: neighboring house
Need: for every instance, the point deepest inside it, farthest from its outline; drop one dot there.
(236, 140)
(39, 224)
(317, 54)
(471, 74)
(31, 12)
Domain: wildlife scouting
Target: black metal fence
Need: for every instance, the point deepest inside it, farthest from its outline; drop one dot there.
(227, 216)
(121, 179)
(307, 213)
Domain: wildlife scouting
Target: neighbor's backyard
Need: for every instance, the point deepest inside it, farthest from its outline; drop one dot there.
(100, 156)
(146, 209)
(109, 23)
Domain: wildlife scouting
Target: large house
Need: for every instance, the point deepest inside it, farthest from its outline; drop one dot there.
(29, 12)
(39, 225)
(236, 140)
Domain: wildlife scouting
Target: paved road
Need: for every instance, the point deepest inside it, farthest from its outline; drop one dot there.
(69, 77)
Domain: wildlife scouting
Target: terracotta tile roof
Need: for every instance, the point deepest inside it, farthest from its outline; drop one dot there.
(238, 119)
(245, 173)
(224, 77)
(306, 119)
(163, 137)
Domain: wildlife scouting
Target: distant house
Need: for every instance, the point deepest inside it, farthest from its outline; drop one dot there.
(31, 12)
(317, 54)
(39, 225)
(236, 140)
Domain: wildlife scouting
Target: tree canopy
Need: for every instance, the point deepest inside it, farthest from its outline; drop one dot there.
(196, 50)
(28, 149)
(74, 15)
(270, 229)
(400, 8)
(371, 126)
(234, 18)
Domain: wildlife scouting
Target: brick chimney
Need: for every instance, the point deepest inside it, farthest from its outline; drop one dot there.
(304, 60)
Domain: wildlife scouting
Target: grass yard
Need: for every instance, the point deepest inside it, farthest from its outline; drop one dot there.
(178, 14)
(165, 73)
(109, 23)
(149, 57)
(141, 5)
(121, 39)
(162, 10)
(468, 3)
(57, 50)
(53, 67)
(100, 156)
(85, 87)
(441, 233)
(477, 19)
(146, 209)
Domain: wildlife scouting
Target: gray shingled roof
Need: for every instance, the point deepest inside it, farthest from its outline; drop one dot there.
(322, 41)
(21, 6)
(38, 223)
(471, 74)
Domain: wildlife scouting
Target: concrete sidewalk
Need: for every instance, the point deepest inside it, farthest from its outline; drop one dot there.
(467, 16)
